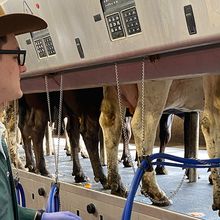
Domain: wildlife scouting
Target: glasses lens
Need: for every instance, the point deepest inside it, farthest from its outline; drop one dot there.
(21, 59)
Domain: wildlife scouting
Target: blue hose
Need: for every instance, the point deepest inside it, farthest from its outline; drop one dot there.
(134, 186)
(20, 194)
(53, 202)
(181, 162)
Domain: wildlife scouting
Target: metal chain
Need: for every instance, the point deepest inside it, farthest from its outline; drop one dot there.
(142, 104)
(56, 152)
(16, 176)
(59, 123)
(48, 101)
(142, 127)
(122, 117)
(173, 194)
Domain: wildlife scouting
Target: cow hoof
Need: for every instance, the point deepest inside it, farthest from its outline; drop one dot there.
(68, 154)
(210, 179)
(103, 181)
(81, 179)
(127, 163)
(161, 170)
(119, 190)
(214, 207)
(163, 202)
(45, 173)
(105, 184)
(84, 155)
(31, 169)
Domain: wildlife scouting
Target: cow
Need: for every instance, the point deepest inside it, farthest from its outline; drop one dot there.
(82, 107)
(195, 94)
(8, 117)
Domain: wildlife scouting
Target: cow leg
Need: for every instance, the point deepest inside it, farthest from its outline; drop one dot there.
(83, 150)
(38, 131)
(67, 144)
(102, 150)
(48, 140)
(111, 126)
(90, 133)
(191, 141)
(25, 128)
(164, 135)
(30, 164)
(73, 133)
(156, 93)
(125, 155)
(211, 130)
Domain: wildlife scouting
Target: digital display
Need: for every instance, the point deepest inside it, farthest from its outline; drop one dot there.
(106, 4)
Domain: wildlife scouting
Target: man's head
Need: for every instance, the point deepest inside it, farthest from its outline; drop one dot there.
(11, 65)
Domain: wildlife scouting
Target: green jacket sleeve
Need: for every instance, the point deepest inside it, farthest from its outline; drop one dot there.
(26, 214)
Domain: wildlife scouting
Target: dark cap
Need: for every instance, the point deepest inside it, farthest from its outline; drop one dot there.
(20, 23)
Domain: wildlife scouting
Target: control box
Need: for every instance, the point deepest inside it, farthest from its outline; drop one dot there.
(121, 18)
(85, 34)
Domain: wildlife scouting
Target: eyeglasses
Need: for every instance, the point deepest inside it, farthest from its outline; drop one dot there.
(21, 55)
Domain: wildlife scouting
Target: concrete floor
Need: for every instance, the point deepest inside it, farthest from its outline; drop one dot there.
(193, 198)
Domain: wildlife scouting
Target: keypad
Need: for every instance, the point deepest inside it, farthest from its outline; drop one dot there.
(131, 21)
(41, 51)
(44, 47)
(115, 26)
(49, 45)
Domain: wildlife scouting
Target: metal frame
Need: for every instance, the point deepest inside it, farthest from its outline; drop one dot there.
(76, 198)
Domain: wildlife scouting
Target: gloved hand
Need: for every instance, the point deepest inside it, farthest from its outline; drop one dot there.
(66, 215)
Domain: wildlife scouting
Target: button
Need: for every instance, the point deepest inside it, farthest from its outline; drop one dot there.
(8, 174)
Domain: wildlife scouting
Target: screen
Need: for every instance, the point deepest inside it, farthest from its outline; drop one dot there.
(107, 4)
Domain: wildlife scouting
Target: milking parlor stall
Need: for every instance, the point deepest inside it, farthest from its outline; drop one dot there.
(102, 43)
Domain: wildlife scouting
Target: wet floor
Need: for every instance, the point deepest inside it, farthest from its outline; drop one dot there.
(192, 198)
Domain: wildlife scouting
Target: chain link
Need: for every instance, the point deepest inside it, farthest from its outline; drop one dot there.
(56, 151)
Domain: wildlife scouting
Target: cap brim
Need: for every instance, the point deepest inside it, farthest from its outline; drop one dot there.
(20, 23)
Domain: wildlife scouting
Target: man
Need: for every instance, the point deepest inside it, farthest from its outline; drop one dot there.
(11, 66)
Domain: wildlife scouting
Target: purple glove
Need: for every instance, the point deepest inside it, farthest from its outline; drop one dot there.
(60, 216)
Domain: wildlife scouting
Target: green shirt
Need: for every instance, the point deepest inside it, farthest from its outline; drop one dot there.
(9, 208)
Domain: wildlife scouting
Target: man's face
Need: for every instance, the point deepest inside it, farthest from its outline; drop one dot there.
(10, 72)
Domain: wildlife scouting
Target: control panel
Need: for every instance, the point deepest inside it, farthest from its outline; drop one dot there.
(121, 18)
(43, 43)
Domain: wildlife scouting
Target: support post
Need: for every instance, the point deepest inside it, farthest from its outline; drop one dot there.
(191, 140)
